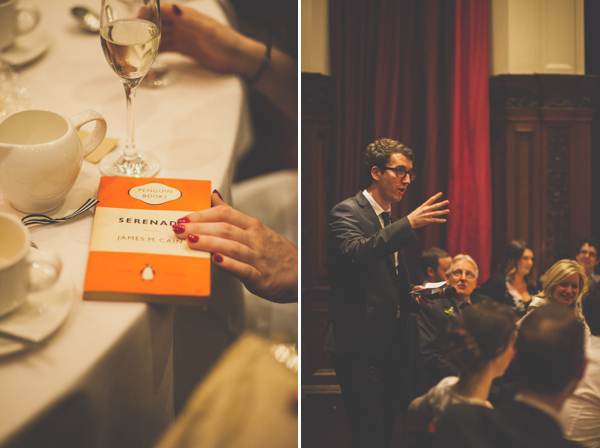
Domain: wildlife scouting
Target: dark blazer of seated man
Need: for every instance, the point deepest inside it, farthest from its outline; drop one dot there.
(432, 322)
(369, 285)
(551, 360)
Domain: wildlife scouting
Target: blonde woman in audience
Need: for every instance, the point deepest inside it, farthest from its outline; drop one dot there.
(563, 283)
(479, 342)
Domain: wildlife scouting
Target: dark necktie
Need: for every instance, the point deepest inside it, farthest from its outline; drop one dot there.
(386, 218)
(463, 306)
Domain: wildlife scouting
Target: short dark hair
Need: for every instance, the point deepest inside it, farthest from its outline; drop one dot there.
(478, 335)
(378, 154)
(550, 349)
(430, 258)
(591, 241)
(590, 307)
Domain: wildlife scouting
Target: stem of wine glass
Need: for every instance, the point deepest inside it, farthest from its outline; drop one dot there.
(130, 153)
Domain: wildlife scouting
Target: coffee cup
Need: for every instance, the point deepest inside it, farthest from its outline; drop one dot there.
(23, 269)
(15, 20)
(41, 155)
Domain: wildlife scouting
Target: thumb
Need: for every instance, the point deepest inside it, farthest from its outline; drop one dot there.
(217, 199)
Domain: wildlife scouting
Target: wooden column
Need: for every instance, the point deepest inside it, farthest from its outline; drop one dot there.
(317, 117)
(541, 155)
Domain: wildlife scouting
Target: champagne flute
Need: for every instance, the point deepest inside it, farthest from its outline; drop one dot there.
(130, 35)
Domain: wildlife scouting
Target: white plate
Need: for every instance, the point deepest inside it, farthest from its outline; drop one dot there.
(27, 48)
(40, 316)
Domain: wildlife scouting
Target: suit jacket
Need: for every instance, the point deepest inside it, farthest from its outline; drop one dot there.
(366, 289)
(432, 322)
(514, 424)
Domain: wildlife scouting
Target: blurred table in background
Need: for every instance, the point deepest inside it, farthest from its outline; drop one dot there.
(113, 374)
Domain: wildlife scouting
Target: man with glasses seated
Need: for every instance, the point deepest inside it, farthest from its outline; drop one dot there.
(588, 257)
(432, 319)
(370, 288)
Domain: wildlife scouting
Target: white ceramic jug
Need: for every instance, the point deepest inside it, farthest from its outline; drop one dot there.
(41, 155)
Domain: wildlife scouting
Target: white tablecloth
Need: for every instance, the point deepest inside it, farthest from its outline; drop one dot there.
(114, 372)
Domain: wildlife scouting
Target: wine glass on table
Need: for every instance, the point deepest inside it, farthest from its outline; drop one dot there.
(130, 35)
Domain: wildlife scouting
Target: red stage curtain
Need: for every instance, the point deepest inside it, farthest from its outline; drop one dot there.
(394, 65)
(469, 179)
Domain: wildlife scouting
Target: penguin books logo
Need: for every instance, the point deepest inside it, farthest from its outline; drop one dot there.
(147, 273)
(155, 193)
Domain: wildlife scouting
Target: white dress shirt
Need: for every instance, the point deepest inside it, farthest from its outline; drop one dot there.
(378, 211)
(580, 415)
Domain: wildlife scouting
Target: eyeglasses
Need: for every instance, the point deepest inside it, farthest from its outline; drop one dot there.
(459, 273)
(591, 253)
(401, 172)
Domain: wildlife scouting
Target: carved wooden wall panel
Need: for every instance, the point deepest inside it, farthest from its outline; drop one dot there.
(317, 109)
(317, 115)
(541, 152)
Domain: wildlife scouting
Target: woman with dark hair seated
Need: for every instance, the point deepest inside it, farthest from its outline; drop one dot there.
(515, 285)
(479, 342)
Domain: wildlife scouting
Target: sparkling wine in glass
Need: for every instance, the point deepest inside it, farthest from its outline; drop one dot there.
(130, 35)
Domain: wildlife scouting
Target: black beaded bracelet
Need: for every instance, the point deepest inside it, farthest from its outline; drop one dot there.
(263, 65)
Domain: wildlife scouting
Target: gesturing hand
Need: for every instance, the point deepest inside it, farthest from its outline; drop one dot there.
(266, 262)
(428, 212)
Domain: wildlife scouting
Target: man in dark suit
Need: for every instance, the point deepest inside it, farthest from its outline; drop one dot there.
(550, 356)
(370, 288)
(432, 321)
(434, 264)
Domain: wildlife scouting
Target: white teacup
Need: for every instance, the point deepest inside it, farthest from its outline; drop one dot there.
(15, 20)
(41, 155)
(23, 269)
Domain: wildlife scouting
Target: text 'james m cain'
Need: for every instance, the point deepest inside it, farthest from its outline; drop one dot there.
(150, 239)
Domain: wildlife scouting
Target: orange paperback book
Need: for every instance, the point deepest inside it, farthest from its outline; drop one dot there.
(134, 254)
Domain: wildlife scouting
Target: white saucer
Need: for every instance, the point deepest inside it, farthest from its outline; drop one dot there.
(27, 48)
(39, 317)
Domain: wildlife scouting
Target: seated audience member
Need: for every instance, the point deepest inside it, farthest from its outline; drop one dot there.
(221, 48)
(588, 257)
(261, 48)
(581, 413)
(247, 400)
(515, 285)
(551, 360)
(479, 342)
(265, 262)
(563, 283)
(434, 262)
(432, 319)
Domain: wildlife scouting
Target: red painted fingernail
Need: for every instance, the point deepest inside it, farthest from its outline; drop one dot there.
(184, 219)
(176, 10)
(218, 258)
(193, 238)
(218, 194)
(178, 229)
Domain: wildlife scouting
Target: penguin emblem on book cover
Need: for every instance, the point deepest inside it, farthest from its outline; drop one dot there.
(147, 273)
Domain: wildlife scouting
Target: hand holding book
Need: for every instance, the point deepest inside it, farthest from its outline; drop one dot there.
(266, 262)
